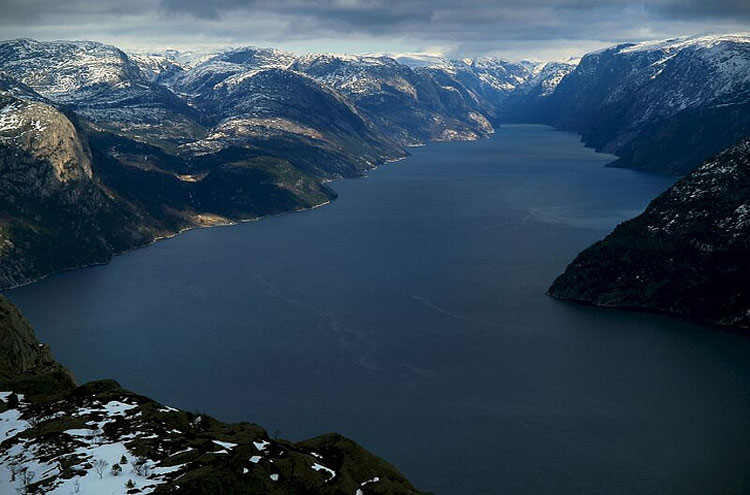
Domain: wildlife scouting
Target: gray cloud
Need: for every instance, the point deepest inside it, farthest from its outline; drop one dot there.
(540, 28)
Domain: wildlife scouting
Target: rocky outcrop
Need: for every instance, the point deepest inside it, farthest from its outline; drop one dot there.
(54, 214)
(57, 438)
(26, 366)
(685, 255)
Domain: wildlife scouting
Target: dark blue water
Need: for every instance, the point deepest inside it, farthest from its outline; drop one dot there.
(410, 315)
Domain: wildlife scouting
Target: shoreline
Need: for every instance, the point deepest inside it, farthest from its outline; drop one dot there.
(230, 223)
(153, 241)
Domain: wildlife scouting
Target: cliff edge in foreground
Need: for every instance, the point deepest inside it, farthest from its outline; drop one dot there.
(56, 438)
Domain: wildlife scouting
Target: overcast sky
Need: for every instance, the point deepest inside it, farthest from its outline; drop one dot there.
(538, 29)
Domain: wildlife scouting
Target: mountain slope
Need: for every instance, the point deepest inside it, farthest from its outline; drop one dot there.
(641, 101)
(410, 106)
(53, 213)
(685, 255)
(100, 438)
(102, 84)
(289, 115)
(71, 195)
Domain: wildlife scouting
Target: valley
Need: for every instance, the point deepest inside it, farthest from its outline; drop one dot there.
(426, 336)
(411, 312)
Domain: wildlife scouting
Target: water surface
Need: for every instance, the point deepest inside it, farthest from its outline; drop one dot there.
(410, 315)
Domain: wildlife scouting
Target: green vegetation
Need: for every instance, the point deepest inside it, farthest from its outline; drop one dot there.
(685, 255)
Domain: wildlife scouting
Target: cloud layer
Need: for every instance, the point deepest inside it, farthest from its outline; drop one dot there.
(515, 28)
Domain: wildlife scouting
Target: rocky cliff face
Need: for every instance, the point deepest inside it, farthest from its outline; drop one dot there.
(27, 366)
(685, 255)
(40, 133)
(57, 438)
(54, 213)
(72, 194)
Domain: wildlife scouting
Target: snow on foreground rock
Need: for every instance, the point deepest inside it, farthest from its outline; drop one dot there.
(104, 440)
(77, 460)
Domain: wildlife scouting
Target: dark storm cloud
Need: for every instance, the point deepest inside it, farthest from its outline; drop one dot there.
(372, 16)
(455, 27)
(738, 10)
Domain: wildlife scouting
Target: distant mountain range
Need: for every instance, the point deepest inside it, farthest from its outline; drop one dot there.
(102, 150)
(659, 106)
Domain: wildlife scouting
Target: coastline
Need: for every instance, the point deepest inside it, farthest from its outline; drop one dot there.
(652, 310)
(228, 223)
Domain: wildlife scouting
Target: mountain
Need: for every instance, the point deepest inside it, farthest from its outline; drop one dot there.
(156, 143)
(103, 151)
(73, 195)
(546, 77)
(489, 80)
(685, 255)
(530, 101)
(102, 84)
(410, 106)
(659, 106)
(59, 438)
(288, 114)
(54, 215)
(201, 75)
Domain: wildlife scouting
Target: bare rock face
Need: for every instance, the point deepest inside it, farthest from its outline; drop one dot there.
(41, 143)
(56, 215)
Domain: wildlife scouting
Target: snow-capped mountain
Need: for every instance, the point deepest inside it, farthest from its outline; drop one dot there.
(546, 77)
(409, 105)
(68, 71)
(642, 101)
(101, 83)
(165, 133)
(290, 115)
(489, 78)
(228, 67)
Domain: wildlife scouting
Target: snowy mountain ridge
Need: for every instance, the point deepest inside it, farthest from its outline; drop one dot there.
(622, 98)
